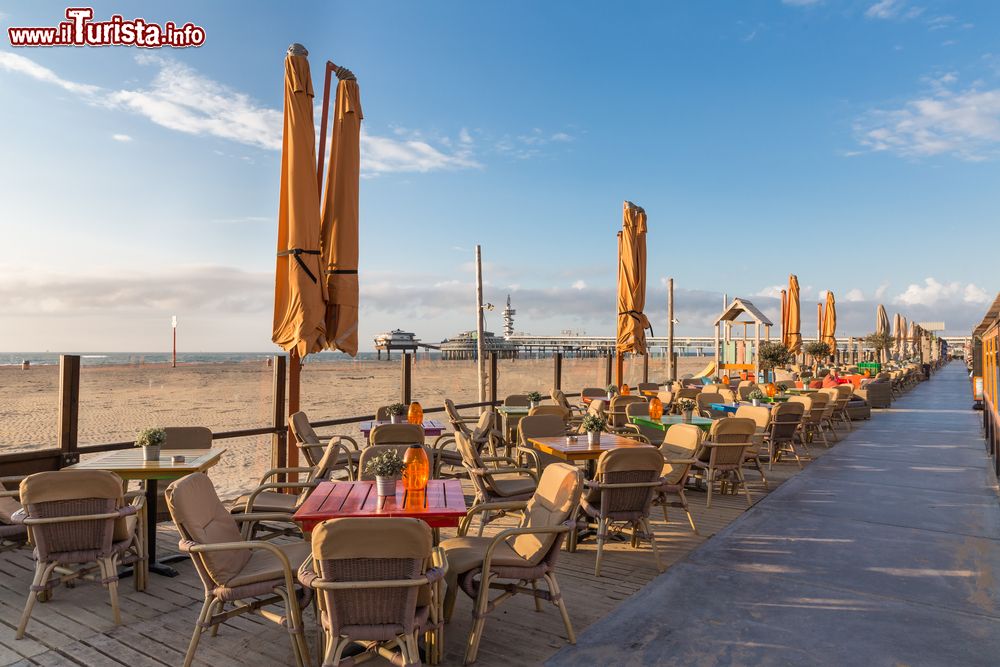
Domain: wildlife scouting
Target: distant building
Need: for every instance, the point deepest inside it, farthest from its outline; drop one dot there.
(463, 346)
(396, 339)
(508, 320)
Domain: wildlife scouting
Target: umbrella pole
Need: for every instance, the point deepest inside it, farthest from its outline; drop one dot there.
(619, 368)
(294, 378)
(320, 155)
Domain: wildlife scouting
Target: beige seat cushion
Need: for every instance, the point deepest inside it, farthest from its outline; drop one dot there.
(466, 553)
(265, 566)
(514, 486)
(267, 501)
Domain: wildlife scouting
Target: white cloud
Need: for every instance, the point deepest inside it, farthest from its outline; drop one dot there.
(892, 9)
(771, 291)
(579, 284)
(880, 290)
(962, 123)
(121, 137)
(933, 292)
(854, 295)
(181, 99)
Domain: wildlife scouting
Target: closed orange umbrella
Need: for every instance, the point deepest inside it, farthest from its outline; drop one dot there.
(632, 322)
(340, 217)
(830, 323)
(298, 287)
(792, 336)
(882, 327)
(898, 335)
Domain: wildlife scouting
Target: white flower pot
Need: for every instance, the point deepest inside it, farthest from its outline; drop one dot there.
(610, 396)
(532, 405)
(151, 453)
(593, 438)
(687, 416)
(756, 402)
(396, 419)
(385, 486)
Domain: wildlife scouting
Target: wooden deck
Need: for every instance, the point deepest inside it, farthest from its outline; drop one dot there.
(75, 627)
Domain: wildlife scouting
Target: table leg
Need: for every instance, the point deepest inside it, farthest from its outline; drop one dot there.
(155, 566)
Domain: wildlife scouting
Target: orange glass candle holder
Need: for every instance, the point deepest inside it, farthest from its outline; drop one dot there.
(655, 408)
(415, 415)
(418, 468)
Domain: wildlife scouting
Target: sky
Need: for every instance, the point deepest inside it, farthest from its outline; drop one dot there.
(855, 143)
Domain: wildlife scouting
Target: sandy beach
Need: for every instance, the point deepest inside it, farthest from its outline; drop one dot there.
(118, 401)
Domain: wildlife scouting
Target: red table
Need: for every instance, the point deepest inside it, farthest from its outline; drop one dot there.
(432, 427)
(442, 505)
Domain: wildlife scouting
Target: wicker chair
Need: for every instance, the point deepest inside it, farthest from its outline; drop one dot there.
(78, 517)
(723, 455)
(559, 397)
(397, 434)
(680, 445)
(312, 447)
(840, 409)
(650, 434)
(521, 556)
(783, 430)
(271, 496)
(372, 583)
(247, 575)
(517, 401)
(483, 435)
(761, 417)
(556, 410)
(371, 451)
(12, 534)
(622, 491)
(495, 478)
(539, 426)
(826, 420)
(617, 418)
(594, 394)
(643, 387)
(703, 402)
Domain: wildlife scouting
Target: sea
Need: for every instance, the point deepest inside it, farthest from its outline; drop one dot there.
(140, 358)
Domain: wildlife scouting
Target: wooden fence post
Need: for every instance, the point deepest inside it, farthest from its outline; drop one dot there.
(69, 408)
(492, 397)
(557, 371)
(406, 393)
(608, 362)
(279, 439)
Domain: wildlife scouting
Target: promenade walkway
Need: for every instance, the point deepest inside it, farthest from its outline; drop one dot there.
(884, 551)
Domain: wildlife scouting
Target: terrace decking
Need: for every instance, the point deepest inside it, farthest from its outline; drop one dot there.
(884, 552)
(75, 627)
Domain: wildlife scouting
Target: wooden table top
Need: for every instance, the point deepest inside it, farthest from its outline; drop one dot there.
(581, 450)
(431, 426)
(442, 505)
(666, 421)
(129, 464)
(514, 409)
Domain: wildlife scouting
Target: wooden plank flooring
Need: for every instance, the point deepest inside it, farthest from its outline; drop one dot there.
(75, 627)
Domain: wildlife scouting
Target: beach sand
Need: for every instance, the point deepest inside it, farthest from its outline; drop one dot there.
(118, 401)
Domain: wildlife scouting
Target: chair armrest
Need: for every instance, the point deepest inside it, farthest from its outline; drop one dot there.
(593, 484)
(21, 517)
(188, 546)
(340, 439)
(497, 459)
(281, 471)
(510, 505)
(511, 532)
(276, 486)
(709, 443)
(531, 454)
(262, 516)
(442, 440)
(679, 461)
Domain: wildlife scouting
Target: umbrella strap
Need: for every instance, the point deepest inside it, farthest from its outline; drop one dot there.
(636, 314)
(340, 272)
(297, 254)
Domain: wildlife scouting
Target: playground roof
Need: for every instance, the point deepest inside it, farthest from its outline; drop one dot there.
(739, 306)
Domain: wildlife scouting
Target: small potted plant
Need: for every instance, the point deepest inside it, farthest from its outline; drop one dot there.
(686, 406)
(593, 425)
(612, 390)
(534, 398)
(756, 396)
(782, 388)
(387, 468)
(396, 411)
(151, 440)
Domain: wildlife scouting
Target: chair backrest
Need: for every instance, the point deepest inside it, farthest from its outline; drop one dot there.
(761, 416)
(598, 407)
(559, 397)
(623, 466)
(305, 437)
(732, 431)
(517, 401)
(69, 493)
(397, 434)
(483, 430)
(648, 386)
(201, 518)
(712, 387)
(819, 402)
(554, 503)
(666, 397)
(681, 441)
(833, 395)
(745, 389)
(371, 550)
(382, 413)
(370, 452)
(728, 395)
(616, 415)
(454, 417)
(556, 410)
(594, 392)
(805, 401)
(705, 399)
(785, 420)
(187, 437)
(540, 426)
(641, 409)
(687, 392)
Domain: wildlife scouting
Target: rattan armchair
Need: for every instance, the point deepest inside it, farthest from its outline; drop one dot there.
(312, 447)
(622, 491)
(723, 455)
(681, 444)
(515, 560)
(246, 575)
(12, 534)
(78, 517)
(377, 581)
(495, 478)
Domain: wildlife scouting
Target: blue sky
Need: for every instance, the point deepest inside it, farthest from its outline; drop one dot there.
(853, 142)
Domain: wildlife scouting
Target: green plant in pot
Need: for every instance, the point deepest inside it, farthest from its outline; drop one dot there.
(396, 412)
(771, 355)
(593, 425)
(534, 398)
(882, 343)
(686, 406)
(756, 396)
(612, 390)
(151, 440)
(387, 468)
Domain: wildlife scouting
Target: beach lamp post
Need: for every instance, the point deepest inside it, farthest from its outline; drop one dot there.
(173, 325)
